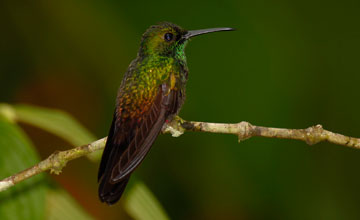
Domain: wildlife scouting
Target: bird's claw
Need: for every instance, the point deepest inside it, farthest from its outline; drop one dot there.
(174, 127)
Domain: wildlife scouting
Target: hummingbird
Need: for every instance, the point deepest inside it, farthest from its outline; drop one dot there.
(150, 95)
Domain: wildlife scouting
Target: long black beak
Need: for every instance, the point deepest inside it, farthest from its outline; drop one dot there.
(190, 34)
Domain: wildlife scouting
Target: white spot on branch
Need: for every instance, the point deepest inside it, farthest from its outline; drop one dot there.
(4, 185)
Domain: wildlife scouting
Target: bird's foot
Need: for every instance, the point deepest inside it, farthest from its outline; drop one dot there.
(174, 127)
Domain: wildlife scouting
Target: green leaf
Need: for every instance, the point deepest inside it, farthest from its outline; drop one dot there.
(53, 121)
(25, 200)
(60, 205)
(56, 122)
(141, 204)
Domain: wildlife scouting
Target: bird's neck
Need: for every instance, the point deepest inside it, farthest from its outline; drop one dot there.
(156, 60)
(159, 67)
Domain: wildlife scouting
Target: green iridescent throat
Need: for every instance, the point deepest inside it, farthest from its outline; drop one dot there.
(180, 51)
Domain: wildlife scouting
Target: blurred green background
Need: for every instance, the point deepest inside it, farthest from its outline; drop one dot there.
(290, 64)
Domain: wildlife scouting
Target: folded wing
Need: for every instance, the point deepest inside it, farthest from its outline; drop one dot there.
(129, 141)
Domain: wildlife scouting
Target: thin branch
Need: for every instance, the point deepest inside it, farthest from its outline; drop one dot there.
(55, 162)
(244, 130)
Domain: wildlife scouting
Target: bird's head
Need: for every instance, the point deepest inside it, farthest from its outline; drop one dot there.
(167, 39)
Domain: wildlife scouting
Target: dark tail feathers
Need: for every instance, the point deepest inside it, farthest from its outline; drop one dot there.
(111, 193)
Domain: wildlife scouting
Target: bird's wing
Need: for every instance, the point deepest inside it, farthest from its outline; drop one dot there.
(130, 141)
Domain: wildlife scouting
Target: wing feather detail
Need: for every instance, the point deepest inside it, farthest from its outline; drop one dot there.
(129, 141)
(144, 137)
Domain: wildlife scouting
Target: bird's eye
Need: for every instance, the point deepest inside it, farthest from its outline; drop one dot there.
(168, 37)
